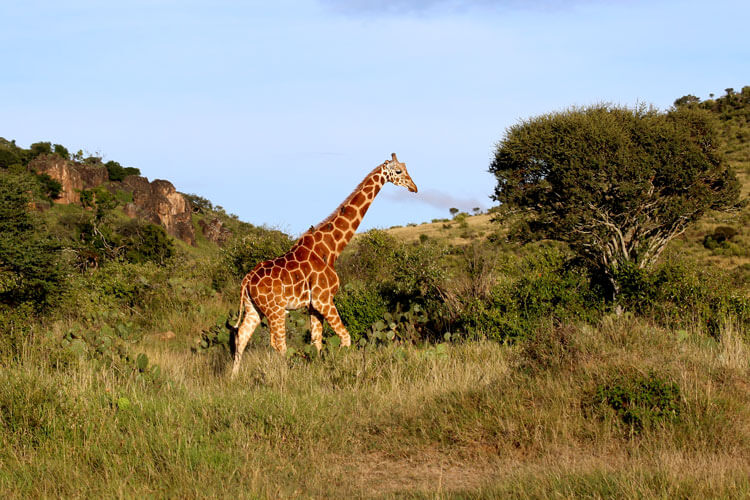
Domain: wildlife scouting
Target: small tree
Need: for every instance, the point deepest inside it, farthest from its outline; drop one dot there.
(453, 211)
(616, 184)
(30, 267)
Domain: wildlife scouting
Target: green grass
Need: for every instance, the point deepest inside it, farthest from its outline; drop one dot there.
(476, 420)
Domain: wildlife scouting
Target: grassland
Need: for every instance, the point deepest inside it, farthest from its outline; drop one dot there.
(473, 420)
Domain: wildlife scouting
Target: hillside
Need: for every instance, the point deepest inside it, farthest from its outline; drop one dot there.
(733, 112)
(481, 367)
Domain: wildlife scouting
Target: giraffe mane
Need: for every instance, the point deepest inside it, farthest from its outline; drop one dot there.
(346, 201)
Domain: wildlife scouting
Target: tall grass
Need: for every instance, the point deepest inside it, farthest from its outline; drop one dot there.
(471, 420)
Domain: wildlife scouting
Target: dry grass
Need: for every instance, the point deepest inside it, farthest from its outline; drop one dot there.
(478, 226)
(482, 420)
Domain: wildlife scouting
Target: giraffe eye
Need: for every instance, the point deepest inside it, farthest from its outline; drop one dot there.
(398, 171)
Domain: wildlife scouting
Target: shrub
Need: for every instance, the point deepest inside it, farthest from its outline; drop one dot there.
(10, 154)
(117, 172)
(543, 284)
(199, 204)
(50, 187)
(370, 258)
(639, 401)
(244, 252)
(551, 346)
(682, 292)
(720, 237)
(40, 148)
(359, 306)
(134, 241)
(143, 242)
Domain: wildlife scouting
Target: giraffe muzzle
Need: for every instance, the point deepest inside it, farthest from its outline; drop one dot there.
(412, 187)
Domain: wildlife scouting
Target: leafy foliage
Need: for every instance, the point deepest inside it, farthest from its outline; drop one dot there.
(117, 172)
(681, 292)
(244, 252)
(30, 266)
(199, 204)
(49, 186)
(10, 154)
(616, 184)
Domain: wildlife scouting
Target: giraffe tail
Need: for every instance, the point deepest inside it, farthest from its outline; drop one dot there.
(242, 306)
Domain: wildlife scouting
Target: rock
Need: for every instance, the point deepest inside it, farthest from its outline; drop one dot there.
(215, 230)
(160, 203)
(168, 335)
(157, 202)
(72, 176)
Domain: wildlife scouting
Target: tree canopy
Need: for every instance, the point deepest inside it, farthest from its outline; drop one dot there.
(615, 183)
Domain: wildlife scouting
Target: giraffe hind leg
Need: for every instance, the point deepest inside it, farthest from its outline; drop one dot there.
(243, 335)
(331, 315)
(277, 325)
(316, 329)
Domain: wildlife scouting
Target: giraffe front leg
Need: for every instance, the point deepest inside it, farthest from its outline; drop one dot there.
(316, 329)
(245, 332)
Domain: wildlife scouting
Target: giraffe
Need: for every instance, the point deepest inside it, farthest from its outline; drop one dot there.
(305, 276)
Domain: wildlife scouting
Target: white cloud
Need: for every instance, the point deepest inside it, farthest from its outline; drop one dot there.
(436, 198)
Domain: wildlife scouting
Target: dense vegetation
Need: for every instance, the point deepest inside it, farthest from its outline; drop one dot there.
(482, 366)
(616, 184)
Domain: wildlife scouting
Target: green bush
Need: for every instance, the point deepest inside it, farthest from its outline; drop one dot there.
(359, 306)
(369, 258)
(143, 242)
(244, 252)
(543, 284)
(551, 346)
(639, 401)
(199, 204)
(10, 154)
(682, 292)
(117, 172)
(50, 187)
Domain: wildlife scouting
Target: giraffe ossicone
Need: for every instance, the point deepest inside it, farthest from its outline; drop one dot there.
(305, 276)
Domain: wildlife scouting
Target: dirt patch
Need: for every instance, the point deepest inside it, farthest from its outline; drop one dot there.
(377, 474)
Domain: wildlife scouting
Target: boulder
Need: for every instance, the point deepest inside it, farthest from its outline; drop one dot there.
(215, 230)
(160, 203)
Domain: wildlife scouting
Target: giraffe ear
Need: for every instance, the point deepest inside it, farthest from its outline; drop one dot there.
(393, 157)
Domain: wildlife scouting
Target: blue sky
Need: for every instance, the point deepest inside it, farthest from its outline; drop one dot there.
(276, 110)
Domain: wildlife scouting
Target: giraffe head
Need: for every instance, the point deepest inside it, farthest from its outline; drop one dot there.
(395, 172)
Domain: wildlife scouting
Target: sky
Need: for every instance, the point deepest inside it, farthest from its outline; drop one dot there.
(277, 110)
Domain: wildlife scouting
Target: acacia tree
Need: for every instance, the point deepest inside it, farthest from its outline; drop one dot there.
(615, 183)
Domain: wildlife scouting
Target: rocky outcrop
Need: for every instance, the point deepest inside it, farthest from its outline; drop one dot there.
(215, 230)
(74, 177)
(157, 202)
(160, 203)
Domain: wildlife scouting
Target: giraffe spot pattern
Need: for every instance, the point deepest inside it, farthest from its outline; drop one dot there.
(304, 276)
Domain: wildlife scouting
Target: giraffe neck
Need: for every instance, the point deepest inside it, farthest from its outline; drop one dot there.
(331, 236)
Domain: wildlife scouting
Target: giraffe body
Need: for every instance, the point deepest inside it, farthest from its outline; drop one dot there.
(305, 275)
